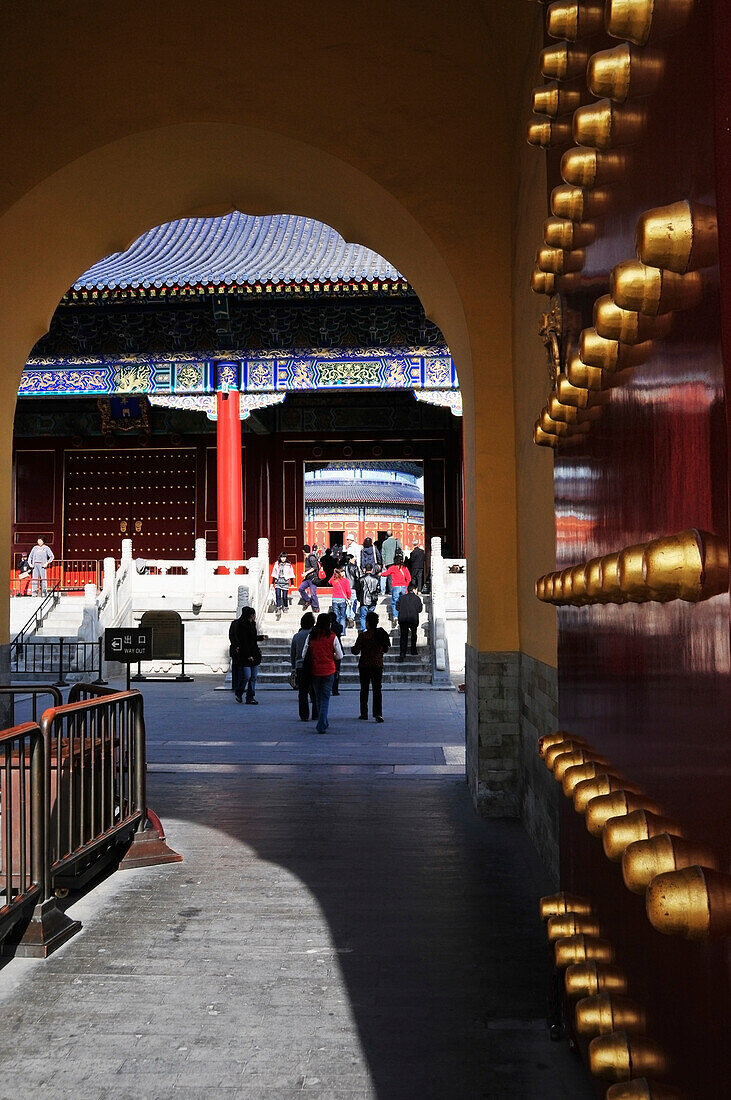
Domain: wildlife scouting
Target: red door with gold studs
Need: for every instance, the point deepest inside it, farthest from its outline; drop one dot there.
(146, 495)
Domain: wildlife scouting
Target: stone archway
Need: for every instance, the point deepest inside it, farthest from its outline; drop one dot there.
(102, 201)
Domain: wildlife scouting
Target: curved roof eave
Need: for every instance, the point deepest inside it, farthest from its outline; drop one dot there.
(236, 249)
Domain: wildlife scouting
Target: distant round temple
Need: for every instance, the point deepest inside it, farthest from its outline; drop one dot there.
(370, 500)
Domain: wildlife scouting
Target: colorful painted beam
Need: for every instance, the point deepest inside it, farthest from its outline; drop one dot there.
(430, 370)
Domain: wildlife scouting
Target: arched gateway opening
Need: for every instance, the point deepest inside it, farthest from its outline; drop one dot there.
(200, 168)
(188, 399)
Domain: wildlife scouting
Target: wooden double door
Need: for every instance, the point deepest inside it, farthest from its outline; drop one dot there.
(147, 495)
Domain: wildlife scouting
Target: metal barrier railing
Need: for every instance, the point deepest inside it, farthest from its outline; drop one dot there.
(83, 800)
(67, 574)
(21, 823)
(82, 691)
(96, 750)
(15, 700)
(47, 658)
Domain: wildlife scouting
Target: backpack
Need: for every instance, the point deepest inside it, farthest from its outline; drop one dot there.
(371, 555)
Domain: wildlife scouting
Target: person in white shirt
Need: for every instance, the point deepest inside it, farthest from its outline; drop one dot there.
(354, 548)
(39, 559)
(282, 577)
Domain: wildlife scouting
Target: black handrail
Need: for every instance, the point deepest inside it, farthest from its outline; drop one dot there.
(44, 658)
(81, 691)
(51, 598)
(31, 694)
(22, 874)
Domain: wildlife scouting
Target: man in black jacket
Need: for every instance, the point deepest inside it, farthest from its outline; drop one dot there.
(311, 573)
(305, 687)
(245, 655)
(409, 609)
(416, 566)
(368, 589)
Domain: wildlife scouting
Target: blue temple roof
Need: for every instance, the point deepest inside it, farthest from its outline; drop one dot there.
(237, 249)
(360, 492)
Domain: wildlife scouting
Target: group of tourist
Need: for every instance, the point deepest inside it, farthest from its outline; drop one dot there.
(32, 570)
(357, 576)
(316, 653)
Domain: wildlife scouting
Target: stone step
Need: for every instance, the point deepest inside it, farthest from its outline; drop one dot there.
(351, 680)
(283, 651)
(284, 629)
(417, 663)
(58, 630)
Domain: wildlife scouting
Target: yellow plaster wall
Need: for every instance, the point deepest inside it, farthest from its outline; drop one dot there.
(393, 123)
(534, 465)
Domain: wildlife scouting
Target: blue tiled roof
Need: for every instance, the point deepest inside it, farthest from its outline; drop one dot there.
(362, 492)
(234, 250)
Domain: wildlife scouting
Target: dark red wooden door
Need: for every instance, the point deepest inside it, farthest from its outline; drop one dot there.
(145, 495)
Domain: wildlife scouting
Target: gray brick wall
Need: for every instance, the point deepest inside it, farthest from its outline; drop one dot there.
(539, 792)
(511, 702)
(492, 728)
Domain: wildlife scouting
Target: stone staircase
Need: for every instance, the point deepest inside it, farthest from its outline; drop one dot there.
(38, 659)
(62, 621)
(275, 666)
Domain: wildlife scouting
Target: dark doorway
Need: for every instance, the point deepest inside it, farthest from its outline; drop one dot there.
(337, 538)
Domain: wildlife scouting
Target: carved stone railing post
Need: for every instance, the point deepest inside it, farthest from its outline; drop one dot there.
(438, 607)
(263, 578)
(199, 572)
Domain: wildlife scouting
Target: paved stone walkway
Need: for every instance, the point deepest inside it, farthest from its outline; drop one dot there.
(342, 925)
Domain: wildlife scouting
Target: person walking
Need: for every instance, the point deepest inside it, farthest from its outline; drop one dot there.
(336, 629)
(324, 648)
(353, 548)
(409, 609)
(245, 655)
(328, 563)
(310, 577)
(389, 546)
(371, 555)
(370, 646)
(39, 559)
(342, 595)
(352, 573)
(416, 561)
(282, 576)
(369, 590)
(399, 576)
(302, 669)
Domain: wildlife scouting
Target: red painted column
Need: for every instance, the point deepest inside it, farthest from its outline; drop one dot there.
(228, 460)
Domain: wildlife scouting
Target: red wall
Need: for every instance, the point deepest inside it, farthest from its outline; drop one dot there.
(274, 481)
(648, 684)
(133, 479)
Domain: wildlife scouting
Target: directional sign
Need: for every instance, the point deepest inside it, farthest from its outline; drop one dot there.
(127, 644)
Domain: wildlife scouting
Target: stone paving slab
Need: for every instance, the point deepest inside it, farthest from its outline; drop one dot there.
(328, 933)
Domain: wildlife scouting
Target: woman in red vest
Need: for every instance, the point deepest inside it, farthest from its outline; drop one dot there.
(320, 651)
(342, 595)
(400, 577)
